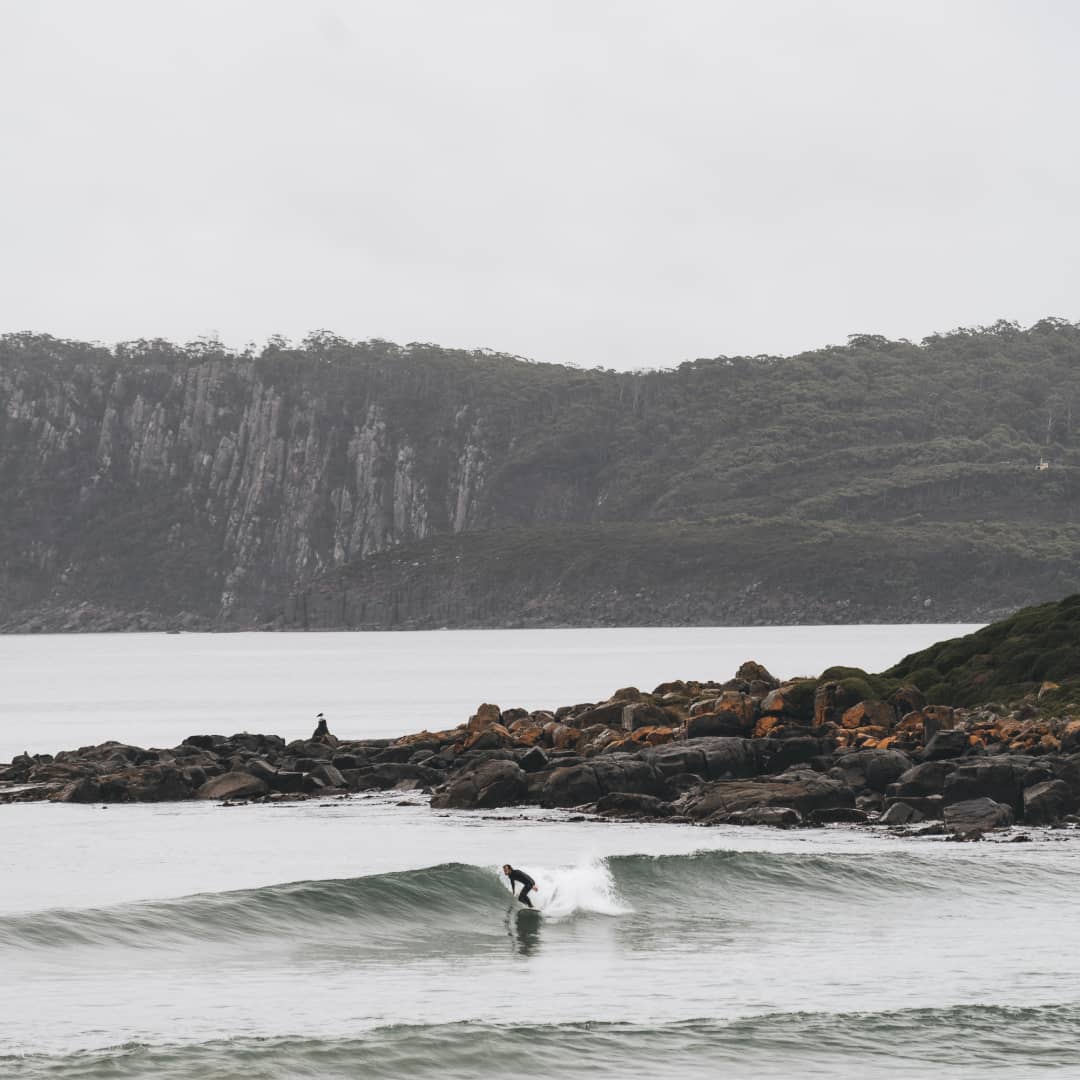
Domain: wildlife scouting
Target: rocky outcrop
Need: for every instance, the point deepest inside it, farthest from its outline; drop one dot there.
(977, 816)
(802, 790)
(799, 767)
(493, 783)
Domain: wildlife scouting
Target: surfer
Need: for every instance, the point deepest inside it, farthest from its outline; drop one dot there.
(527, 883)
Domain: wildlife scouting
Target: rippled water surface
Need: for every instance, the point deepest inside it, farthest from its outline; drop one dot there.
(372, 937)
(360, 936)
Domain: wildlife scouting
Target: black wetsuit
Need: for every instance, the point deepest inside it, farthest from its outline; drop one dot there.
(527, 885)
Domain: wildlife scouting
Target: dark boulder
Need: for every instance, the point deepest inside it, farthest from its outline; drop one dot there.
(631, 774)
(781, 754)
(946, 744)
(931, 807)
(329, 775)
(609, 713)
(534, 760)
(925, 779)
(901, 813)
(626, 804)
(706, 725)
(732, 757)
(572, 785)
(160, 783)
(872, 770)
(777, 817)
(494, 783)
(393, 754)
(801, 789)
(233, 785)
(349, 761)
(977, 816)
(837, 815)
(290, 783)
(677, 758)
(204, 742)
(383, 777)
(261, 768)
(1047, 802)
(86, 790)
(641, 714)
(1001, 778)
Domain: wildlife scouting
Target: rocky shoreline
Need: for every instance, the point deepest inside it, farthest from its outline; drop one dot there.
(750, 751)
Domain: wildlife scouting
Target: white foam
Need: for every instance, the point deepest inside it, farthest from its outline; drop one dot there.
(569, 890)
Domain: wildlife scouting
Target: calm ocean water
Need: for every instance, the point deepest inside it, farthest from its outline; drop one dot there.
(360, 937)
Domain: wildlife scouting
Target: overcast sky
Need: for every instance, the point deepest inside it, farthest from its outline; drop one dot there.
(619, 183)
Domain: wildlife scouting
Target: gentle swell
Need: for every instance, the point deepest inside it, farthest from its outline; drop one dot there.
(460, 898)
(964, 1041)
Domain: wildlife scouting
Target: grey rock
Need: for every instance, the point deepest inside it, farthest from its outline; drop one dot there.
(900, 813)
(233, 785)
(1047, 802)
(494, 783)
(977, 816)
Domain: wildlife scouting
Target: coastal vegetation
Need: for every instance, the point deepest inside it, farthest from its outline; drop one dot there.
(364, 484)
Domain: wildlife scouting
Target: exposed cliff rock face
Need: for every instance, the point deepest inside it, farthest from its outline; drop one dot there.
(364, 484)
(210, 485)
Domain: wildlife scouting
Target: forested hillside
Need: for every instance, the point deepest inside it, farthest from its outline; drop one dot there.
(370, 485)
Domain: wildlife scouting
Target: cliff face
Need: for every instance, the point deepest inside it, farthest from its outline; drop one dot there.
(152, 485)
(105, 464)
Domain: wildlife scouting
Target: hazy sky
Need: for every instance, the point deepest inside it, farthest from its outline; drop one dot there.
(618, 183)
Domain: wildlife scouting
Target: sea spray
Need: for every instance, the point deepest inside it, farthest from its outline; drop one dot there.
(587, 888)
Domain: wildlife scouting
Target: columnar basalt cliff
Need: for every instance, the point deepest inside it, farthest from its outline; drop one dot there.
(341, 484)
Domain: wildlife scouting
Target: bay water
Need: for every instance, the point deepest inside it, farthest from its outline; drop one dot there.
(371, 936)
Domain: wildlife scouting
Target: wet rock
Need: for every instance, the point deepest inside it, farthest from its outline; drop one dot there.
(389, 755)
(801, 789)
(779, 817)
(291, 783)
(931, 807)
(630, 774)
(901, 813)
(535, 760)
(384, 777)
(350, 761)
(708, 724)
(233, 785)
(730, 757)
(946, 744)
(927, 778)
(572, 785)
(1047, 802)
(1002, 779)
(781, 754)
(977, 816)
(872, 770)
(86, 790)
(837, 815)
(626, 804)
(494, 783)
(678, 758)
(330, 776)
(261, 768)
